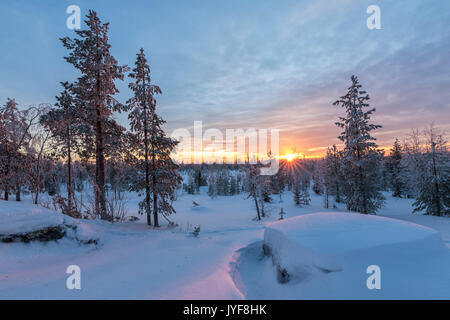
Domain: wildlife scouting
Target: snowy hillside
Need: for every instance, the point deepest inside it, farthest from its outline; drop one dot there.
(304, 245)
(226, 260)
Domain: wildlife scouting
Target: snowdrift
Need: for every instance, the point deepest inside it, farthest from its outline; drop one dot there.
(22, 222)
(304, 245)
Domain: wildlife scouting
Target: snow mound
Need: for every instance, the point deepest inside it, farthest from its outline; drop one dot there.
(303, 245)
(18, 218)
(22, 222)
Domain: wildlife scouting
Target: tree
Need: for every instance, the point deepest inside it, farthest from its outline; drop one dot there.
(297, 195)
(332, 172)
(212, 183)
(253, 187)
(94, 89)
(233, 185)
(301, 192)
(64, 124)
(361, 156)
(160, 172)
(4, 159)
(14, 127)
(317, 175)
(413, 164)
(17, 150)
(394, 166)
(41, 161)
(434, 180)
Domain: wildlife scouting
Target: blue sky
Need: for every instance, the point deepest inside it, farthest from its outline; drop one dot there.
(241, 64)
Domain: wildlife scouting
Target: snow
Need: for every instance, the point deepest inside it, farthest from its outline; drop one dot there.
(333, 233)
(307, 245)
(22, 218)
(291, 253)
(226, 260)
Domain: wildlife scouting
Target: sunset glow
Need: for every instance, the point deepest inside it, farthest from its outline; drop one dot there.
(291, 156)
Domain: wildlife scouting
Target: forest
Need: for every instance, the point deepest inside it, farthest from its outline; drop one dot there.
(77, 153)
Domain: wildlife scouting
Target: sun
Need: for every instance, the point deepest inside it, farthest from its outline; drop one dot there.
(290, 156)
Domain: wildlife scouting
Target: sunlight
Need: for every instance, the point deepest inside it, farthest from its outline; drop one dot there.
(291, 156)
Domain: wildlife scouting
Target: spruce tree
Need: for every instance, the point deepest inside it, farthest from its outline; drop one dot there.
(297, 196)
(233, 185)
(94, 89)
(305, 198)
(434, 179)
(361, 157)
(332, 172)
(394, 167)
(413, 164)
(160, 175)
(317, 178)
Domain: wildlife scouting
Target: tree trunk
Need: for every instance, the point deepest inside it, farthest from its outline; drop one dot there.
(38, 169)
(36, 197)
(101, 173)
(338, 193)
(437, 197)
(257, 208)
(147, 170)
(18, 193)
(155, 194)
(147, 199)
(155, 209)
(361, 182)
(70, 191)
(6, 180)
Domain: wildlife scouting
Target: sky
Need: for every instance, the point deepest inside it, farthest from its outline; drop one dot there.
(251, 64)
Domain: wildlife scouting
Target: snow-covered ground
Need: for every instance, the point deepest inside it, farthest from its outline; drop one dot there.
(226, 260)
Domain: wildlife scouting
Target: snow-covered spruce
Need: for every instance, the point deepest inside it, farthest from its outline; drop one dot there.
(426, 163)
(157, 172)
(361, 158)
(93, 92)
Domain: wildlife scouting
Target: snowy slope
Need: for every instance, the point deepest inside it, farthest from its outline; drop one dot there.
(226, 261)
(310, 246)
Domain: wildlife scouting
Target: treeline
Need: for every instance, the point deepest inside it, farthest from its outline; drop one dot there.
(234, 179)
